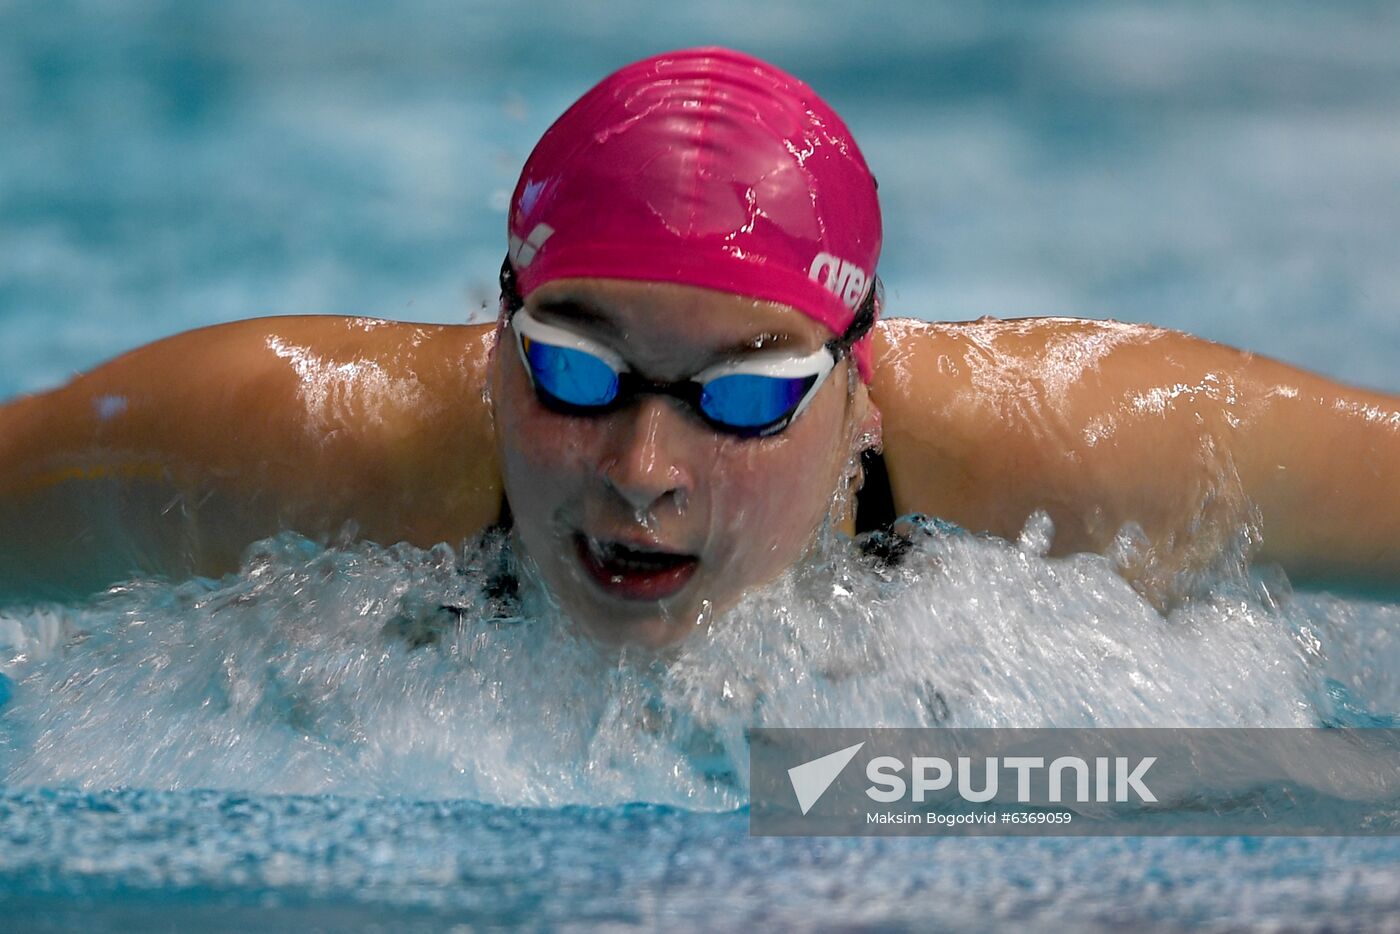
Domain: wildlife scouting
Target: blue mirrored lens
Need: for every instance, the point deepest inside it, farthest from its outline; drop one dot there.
(571, 376)
(752, 401)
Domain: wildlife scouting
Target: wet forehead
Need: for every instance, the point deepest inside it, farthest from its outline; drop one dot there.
(669, 326)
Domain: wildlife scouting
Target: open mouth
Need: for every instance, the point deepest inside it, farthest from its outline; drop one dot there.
(630, 573)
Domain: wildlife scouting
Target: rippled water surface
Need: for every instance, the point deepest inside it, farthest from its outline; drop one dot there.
(361, 736)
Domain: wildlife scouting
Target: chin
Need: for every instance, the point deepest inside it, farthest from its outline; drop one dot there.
(655, 633)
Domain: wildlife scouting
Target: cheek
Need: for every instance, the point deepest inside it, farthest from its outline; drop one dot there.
(774, 494)
(543, 454)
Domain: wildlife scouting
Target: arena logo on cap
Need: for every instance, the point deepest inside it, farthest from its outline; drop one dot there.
(522, 252)
(842, 278)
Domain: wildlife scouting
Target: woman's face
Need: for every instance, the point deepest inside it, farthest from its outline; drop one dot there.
(639, 517)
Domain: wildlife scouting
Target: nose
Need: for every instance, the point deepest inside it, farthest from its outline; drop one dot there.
(644, 462)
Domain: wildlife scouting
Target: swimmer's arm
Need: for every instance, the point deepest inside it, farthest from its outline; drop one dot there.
(1322, 460)
(1100, 424)
(174, 457)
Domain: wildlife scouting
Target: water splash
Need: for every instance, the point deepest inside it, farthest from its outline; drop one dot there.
(370, 670)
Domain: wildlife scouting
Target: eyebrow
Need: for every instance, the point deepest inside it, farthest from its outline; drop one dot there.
(579, 311)
(574, 311)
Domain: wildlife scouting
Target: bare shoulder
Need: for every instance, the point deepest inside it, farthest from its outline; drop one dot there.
(990, 362)
(327, 376)
(987, 420)
(322, 419)
(1100, 423)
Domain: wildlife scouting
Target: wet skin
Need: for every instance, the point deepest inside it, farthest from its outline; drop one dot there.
(716, 514)
(174, 457)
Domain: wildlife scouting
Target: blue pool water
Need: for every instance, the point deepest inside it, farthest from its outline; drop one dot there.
(308, 744)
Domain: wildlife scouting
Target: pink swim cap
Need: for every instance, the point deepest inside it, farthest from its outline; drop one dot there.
(710, 168)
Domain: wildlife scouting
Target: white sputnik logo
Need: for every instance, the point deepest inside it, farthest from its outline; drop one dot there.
(810, 780)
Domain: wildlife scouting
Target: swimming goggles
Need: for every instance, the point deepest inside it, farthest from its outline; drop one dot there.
(750, 398)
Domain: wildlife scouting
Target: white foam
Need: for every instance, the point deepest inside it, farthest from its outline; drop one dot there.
(338, 670)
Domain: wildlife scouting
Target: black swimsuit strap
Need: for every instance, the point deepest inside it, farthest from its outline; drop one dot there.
(875, 500)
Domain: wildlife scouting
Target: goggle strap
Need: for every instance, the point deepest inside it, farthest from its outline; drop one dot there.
(861, 324)
(511, 302)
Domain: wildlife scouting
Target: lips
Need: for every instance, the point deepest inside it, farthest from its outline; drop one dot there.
(634, 571)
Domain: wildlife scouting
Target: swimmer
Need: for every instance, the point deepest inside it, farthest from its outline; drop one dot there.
(688, 365)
